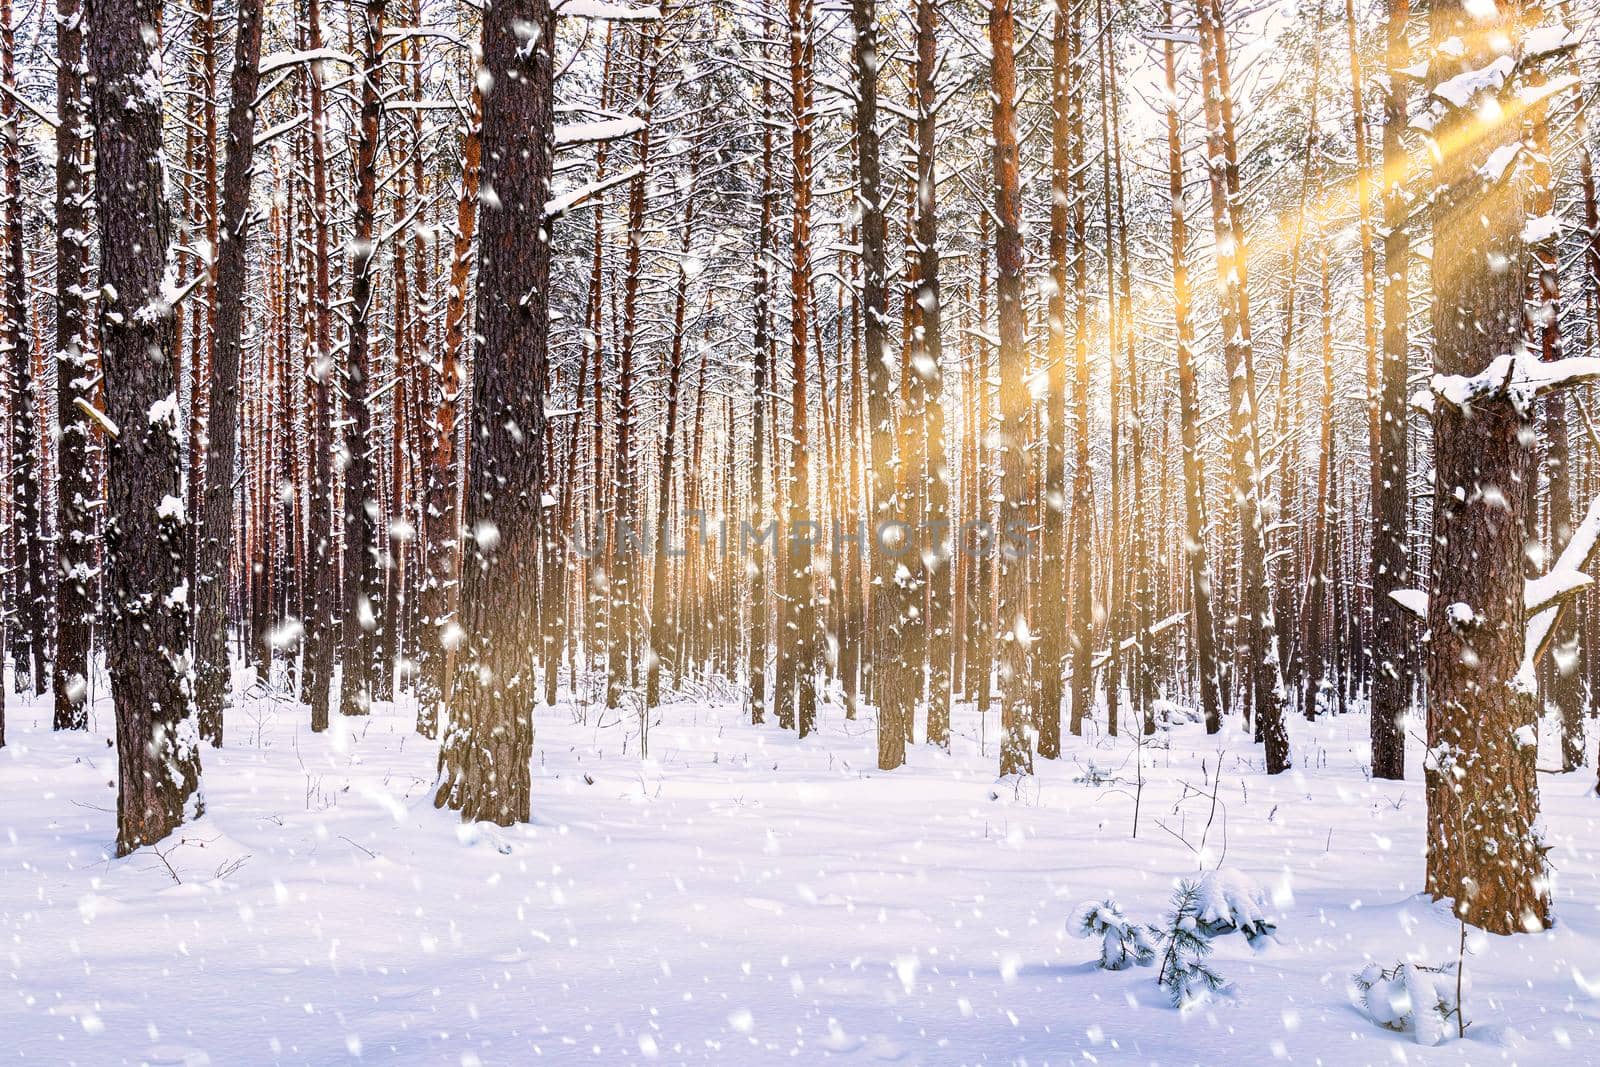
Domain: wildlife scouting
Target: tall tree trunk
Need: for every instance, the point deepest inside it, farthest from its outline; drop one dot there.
(881, 678)
(796, 683)
(927, 364)
(215, 541)
(363, 594)
(321, 618)
(1014, 546)
(761, 343)
(1080, 590)
(1392, 634)
(76, 585)
(442, 527)
(147, 640)
(1202, 624)
(1257, 640)
(1066, 131)
(484, 770)
(1484, 846)
(29, 584)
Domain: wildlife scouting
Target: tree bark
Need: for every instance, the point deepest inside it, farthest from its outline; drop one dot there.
(76, 552)
(1014, 548)
(147, 640)
(216, 531)
(1484, 848)
(484, 759)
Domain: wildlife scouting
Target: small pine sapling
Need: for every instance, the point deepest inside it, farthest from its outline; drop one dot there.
(1123, 942)
(1184, 973)
(1413, 998)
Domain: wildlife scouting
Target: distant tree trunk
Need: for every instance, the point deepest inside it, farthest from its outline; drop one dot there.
(358, 644)
(442, 526)
(1066, 132)
(624, 578)
(761, 344)
(881, 678)
(927, 363)
(1257, 645)
(29, 585)
(1079, 588)
(661, 644)
(1317, 655)
(1484, 846)
(796, 683)
(76, 551)
(215, 542)
(1202, 624)
(147, 640)
(1392, 631)
(322, 614)
(484, 770)
(1014, 546)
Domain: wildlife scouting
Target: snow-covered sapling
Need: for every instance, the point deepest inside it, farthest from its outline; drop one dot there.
(1184, 973)
(1233, 901)
(1123, 942)
(1413, 998)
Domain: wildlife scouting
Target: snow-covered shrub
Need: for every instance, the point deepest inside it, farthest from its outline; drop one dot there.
(1171, 713)
(1184, 974)
(1412, 998)
(1123, 942)
(1233, 901)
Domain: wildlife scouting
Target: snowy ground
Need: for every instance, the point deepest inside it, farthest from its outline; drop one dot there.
(737, 897)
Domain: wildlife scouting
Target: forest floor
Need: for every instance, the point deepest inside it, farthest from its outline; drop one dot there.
(740, 896)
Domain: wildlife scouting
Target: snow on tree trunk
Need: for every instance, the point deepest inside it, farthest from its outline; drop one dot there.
(1484, 846)
(484, 759)
(147, 639)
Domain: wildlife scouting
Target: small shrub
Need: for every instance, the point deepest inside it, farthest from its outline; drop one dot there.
(1123, 942)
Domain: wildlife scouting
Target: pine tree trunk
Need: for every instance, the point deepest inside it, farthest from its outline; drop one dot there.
(76, 586)
(880, 674)
(442, 526)
(30, 586)
(484, 770)
(363, 595)
(322, 616)
(215, 540)
(1484, 848)
(147, 639)
(1202, 624)
(1015, 632)
(1392, 631)
(927, 364)
(1066, 131)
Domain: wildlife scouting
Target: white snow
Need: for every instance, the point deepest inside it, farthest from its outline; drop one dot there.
(577, 133)
(742, 897)
(1464, 89)
(600, 9)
